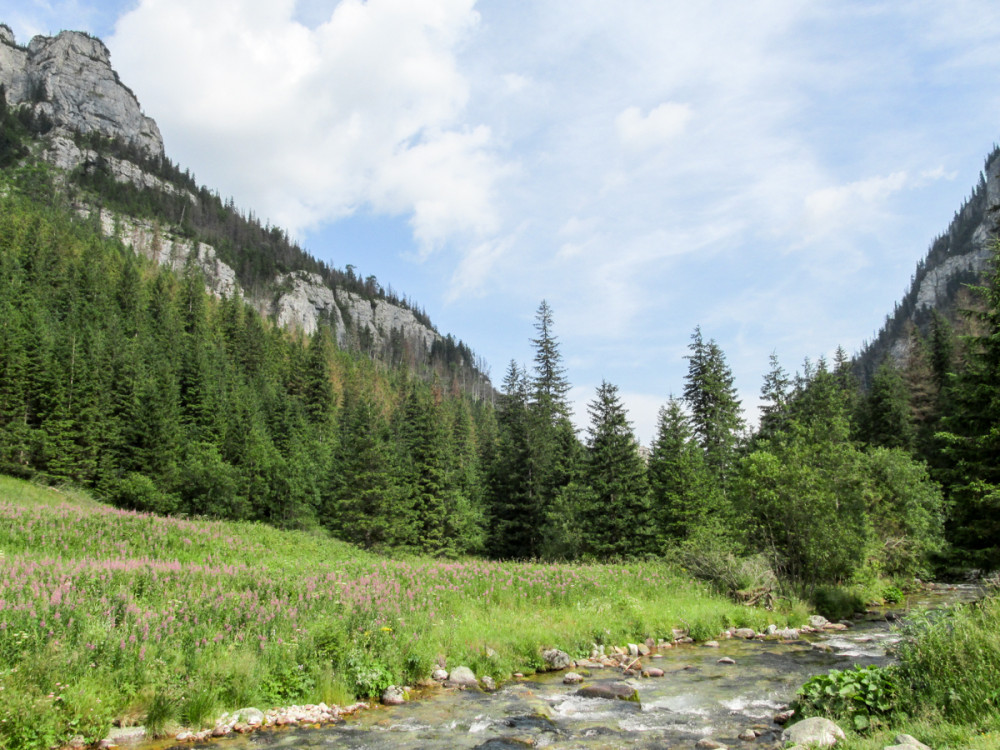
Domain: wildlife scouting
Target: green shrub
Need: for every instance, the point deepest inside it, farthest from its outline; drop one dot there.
(162, 709)
(837, 602)
(370, 677)
(865, 696)
(199, 709)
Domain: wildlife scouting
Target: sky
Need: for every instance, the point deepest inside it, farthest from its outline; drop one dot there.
(769, 171)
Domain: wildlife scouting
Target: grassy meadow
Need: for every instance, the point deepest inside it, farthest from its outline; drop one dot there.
(117, 616)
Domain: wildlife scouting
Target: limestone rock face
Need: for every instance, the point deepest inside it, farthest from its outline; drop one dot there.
(69, 78)
(144, 238)
(307, 301)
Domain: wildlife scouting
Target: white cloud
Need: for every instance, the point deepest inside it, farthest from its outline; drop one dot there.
(307, 124)
(662, 124)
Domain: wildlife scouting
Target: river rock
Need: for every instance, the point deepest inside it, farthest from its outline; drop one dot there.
(127, 735)
(590, 664)
(744, 633)
(556, 659)
(771, 629)
(621, 691)
(907, 742)
(439, 675)
(747, 735)
(644, 649)
(726, 660)
(709, 744)
(653, 672)
(252, 716)
(488, 683)
(633, 649)
(393, 696)
(788, 634)
(813, 731)
(463, 677)
(711, 644)
(818, 622)
(572, 678)
(782, 717)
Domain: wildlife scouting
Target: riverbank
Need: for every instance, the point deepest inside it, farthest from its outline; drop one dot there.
(116, 618)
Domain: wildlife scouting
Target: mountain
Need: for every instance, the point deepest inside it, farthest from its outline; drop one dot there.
(111, 162)
(955, 259)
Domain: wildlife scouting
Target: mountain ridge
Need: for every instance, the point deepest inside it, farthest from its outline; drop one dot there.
(955, 259)
(111, 156)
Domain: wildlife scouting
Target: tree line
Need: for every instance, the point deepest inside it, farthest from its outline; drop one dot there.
(130, 379)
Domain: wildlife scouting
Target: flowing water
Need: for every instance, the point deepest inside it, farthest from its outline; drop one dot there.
(698, 698)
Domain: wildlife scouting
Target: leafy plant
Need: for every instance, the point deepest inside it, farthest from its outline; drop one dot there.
(865, 696)
(370, 677)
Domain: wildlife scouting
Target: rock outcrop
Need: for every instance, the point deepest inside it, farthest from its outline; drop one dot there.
(957, 257)
(69, 79)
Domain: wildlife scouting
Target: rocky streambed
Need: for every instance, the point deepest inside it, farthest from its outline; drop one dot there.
(724, 693)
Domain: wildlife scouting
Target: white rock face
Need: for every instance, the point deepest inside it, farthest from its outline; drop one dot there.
(307, 302)
(63, 153)
(144, 238)
(69, 78)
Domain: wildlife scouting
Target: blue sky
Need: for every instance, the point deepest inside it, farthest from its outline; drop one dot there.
(771, 171)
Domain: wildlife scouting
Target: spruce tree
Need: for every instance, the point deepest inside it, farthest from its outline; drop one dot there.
(679, 489)
(619, 521)
(515, 521)
(711, 397)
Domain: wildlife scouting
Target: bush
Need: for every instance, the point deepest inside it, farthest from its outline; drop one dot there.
(865, 696)
(837, 602)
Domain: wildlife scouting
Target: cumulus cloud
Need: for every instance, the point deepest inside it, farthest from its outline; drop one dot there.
(310, 123)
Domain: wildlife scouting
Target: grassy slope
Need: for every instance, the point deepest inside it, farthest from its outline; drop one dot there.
(106, 614)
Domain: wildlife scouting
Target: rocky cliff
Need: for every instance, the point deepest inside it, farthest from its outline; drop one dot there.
(956, 258)
(69, 81)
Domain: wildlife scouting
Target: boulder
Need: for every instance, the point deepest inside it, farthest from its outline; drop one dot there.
(907, 742)
(813, 731)
(621, 691)
(393, 696)
(463, 677)
(818, 622)
(556, 659)
(744, 633)
(127, 735)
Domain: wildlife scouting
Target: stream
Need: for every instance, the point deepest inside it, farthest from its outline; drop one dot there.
(697, 698)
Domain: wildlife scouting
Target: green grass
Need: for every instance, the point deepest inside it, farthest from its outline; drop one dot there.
(107, 614)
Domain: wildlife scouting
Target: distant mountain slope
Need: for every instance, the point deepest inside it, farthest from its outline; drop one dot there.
(110, 160)
(955, 259)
